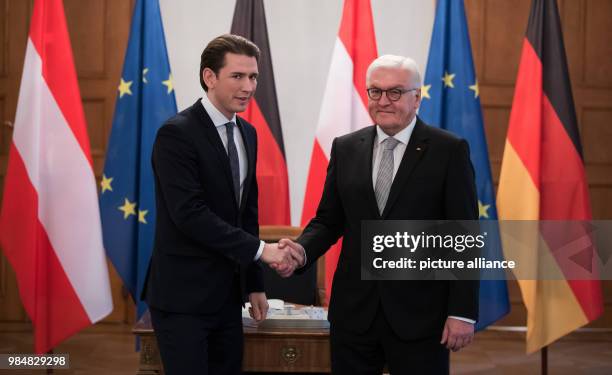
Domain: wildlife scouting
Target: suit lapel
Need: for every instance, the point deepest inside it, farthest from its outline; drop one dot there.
(363, 156)
(416, 148)
(215, 140)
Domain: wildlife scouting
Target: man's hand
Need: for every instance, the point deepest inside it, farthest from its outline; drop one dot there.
(457, 334)
(280, 258)
(297, 253)
(259, 306)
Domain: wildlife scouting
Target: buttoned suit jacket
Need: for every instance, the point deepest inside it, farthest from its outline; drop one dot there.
(205, 242)
(435, 180)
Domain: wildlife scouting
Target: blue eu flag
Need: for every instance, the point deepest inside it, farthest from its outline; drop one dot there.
(451, 101)
(127, 196)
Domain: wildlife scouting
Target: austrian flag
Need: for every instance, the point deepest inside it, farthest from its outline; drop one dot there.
(50, 221)
(344, 107)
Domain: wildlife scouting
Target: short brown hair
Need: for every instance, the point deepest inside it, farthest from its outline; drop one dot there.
(213, 56)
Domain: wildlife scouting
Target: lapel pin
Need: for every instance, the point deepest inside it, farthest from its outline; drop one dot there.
(418, 149)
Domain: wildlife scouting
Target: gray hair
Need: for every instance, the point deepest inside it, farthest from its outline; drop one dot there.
(394, 61)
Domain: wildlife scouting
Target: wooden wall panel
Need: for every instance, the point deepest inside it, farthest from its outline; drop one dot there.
(94, 114)
(88, 18)
(505, 23)
(572, 18)
(12, 33)
(5, 129)
(3, 36)
(18, 20)
(597, 135)
(518, 314)
(475, 19)
(496, 126)
(121, 300)
(12, 310)
(597, 46)
(601, 202)
(606, 320)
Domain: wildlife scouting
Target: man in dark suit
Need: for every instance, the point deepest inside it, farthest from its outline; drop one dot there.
(207, 254)
(414, 172)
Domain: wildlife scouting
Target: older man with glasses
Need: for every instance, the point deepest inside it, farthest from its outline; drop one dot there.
(414, 172)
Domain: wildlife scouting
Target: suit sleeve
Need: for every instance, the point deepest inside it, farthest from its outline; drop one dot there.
(255, 282)
(328, 224)
(461, 203)
(176, 169)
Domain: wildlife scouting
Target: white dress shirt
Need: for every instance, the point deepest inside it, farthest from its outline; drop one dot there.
(219, 120)
(398, 153)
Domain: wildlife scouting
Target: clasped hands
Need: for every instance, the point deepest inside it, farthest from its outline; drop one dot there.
(284, 257)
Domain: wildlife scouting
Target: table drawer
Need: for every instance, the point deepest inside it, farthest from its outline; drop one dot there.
(286, 354)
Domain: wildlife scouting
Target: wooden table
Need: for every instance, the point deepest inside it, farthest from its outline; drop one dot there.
(265, 350)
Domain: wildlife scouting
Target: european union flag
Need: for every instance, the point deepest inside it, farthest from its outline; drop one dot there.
(127, 196)
(451, 101)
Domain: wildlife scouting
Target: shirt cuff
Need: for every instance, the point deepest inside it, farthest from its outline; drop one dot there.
(463, 319)
(259, 251)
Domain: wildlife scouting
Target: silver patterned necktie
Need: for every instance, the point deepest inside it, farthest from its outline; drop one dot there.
(384, 178)
(232, 153)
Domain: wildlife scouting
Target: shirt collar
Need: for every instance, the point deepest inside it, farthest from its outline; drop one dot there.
(403, 136)
(216, 116)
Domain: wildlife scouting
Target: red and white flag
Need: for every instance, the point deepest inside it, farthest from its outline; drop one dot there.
(344, 107)
(50, 221)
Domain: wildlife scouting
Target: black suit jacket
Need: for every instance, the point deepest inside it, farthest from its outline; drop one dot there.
(435, 180)
(204, 241)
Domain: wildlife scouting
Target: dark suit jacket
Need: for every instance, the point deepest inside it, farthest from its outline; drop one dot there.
(435, 182)
(204, 241)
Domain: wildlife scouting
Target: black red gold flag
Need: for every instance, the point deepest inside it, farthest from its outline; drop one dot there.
(274, 208)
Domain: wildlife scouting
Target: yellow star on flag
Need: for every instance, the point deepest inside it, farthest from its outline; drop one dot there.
(124, 88)
(128, 208)
(105, 184)
(475, 88)
(482, 210)
(448, 80)
(425, 91)
(169, 83)
(144, 75)
(141, 216)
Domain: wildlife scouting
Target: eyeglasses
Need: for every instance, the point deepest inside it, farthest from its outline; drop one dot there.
(392, 94)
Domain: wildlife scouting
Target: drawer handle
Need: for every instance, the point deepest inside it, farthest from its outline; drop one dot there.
(290, 354)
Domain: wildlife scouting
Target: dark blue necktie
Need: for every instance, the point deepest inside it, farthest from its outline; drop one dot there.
(232, 153)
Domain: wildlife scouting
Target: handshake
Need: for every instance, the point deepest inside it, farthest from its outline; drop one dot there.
(284, 257)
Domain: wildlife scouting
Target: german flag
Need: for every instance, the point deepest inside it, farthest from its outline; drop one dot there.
(250, 22)
(543, 176)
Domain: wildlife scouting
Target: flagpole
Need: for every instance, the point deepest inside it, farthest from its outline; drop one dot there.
(544, 360)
